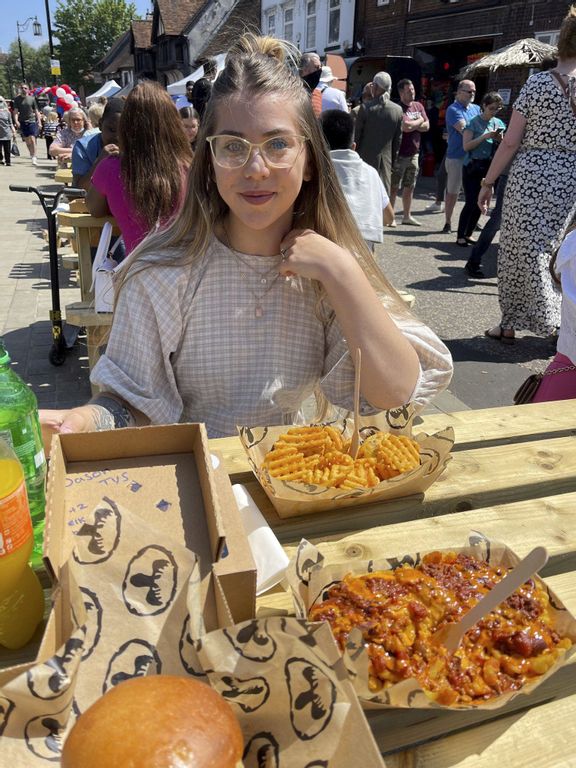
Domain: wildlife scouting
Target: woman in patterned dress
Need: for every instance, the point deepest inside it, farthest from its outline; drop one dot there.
(540, 198)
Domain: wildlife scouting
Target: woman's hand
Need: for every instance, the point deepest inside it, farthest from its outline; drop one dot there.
(484, 199)
(308, 254)
(58, 422)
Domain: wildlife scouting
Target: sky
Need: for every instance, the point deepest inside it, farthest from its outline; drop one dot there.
(13, 12)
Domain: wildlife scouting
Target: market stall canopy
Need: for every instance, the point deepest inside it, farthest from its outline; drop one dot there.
(523, 53)
(109, 89)
(179, 88)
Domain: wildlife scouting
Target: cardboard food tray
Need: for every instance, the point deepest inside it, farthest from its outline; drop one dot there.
(291, 499)
(309, 577)
(165, 476)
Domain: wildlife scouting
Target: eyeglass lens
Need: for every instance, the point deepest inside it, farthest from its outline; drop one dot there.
(234, 152)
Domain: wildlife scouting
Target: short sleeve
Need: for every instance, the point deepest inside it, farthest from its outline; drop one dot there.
(147, 317)
(525, 98)
(452, 116)
(80, 161)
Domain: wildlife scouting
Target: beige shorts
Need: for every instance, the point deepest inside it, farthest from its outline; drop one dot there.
(405, 172)
(454, 175)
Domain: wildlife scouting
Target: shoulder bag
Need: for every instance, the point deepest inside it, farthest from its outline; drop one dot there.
(528, 388)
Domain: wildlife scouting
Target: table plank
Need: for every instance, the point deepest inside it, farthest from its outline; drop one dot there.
(545, 733)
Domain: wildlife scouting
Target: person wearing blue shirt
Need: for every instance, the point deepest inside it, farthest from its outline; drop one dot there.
(90, 150)
(458, 115)
(481, 136)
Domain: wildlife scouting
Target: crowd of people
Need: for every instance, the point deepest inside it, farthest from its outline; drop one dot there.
(250, 222)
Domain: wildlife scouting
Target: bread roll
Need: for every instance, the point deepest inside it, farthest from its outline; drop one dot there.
(161, 721)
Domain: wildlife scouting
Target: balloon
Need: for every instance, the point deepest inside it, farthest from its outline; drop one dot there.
(60, 92)
(53, 90)
(66, 88)
(69, 99)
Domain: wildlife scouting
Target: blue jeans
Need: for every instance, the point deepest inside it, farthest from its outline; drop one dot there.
(491, 227)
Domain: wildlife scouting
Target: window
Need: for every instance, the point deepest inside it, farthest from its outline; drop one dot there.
(311, 24)
(288, 23)
(333, 21)
(382, 2)
(271, 24)
(548, 37)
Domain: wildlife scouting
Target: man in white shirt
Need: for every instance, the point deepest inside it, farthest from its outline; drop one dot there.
(363, 189)
(332, 98)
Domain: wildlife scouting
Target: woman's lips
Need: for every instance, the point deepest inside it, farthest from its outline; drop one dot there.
(257, 198)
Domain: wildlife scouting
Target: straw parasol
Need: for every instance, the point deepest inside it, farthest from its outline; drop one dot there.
(523, 53)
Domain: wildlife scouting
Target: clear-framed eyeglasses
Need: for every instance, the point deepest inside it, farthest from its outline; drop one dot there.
(280, 151)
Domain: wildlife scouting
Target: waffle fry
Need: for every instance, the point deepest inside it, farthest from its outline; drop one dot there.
(318, 456)
(394, 454)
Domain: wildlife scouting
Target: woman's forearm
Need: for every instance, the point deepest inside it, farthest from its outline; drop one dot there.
(390, 365)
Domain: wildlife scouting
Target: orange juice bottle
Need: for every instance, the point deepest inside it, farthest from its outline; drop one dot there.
(21, 597)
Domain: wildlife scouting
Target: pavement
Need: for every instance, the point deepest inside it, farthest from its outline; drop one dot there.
(423, 261)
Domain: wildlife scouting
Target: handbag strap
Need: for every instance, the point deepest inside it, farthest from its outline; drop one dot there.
(565, 90)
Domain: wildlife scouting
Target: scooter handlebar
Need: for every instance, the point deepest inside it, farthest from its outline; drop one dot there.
(73, 193)
(18, 188)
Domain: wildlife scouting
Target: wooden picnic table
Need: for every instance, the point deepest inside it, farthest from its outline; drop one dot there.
(63, 176)
(512, 477)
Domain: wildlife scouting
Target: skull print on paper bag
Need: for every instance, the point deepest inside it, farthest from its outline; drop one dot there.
(312, 697)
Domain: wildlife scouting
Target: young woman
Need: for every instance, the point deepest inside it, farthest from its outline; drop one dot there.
(144, 186)
(479, 140)
(191, 123)
(251, 300)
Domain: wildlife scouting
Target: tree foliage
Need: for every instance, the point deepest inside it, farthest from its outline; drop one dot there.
(36, 67)
(86, 30)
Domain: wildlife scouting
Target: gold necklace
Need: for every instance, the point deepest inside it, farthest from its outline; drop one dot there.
(264, 277)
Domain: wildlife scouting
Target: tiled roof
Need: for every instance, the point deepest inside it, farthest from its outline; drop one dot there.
(245, 16)
(142, 32)
(176, 13)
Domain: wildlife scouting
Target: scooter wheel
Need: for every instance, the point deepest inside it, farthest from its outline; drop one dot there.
(56, 357)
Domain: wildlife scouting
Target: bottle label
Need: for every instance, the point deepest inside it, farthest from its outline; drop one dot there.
(15, 522)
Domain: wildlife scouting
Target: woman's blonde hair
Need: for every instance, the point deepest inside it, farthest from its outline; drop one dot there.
(260, 67)
(567, 36)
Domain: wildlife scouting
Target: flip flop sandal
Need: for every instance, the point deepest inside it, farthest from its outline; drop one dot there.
(498, 335)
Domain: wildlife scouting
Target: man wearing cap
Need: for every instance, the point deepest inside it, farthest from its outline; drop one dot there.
(379, 129)
(332, 98)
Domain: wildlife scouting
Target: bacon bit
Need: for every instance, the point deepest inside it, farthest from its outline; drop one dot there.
(417, 611)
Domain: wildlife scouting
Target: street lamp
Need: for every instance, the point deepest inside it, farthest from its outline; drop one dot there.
(36, 29)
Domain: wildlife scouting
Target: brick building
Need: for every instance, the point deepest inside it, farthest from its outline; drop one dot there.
(443, 36)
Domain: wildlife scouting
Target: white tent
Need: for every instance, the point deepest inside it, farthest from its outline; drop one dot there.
(179, 88)
(109, 89)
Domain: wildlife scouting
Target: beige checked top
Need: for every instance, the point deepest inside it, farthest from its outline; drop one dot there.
(186, 345)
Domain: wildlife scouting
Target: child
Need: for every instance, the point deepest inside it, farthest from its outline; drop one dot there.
(51, 125)
(250, 300)
(559, 379)
(361, 184)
